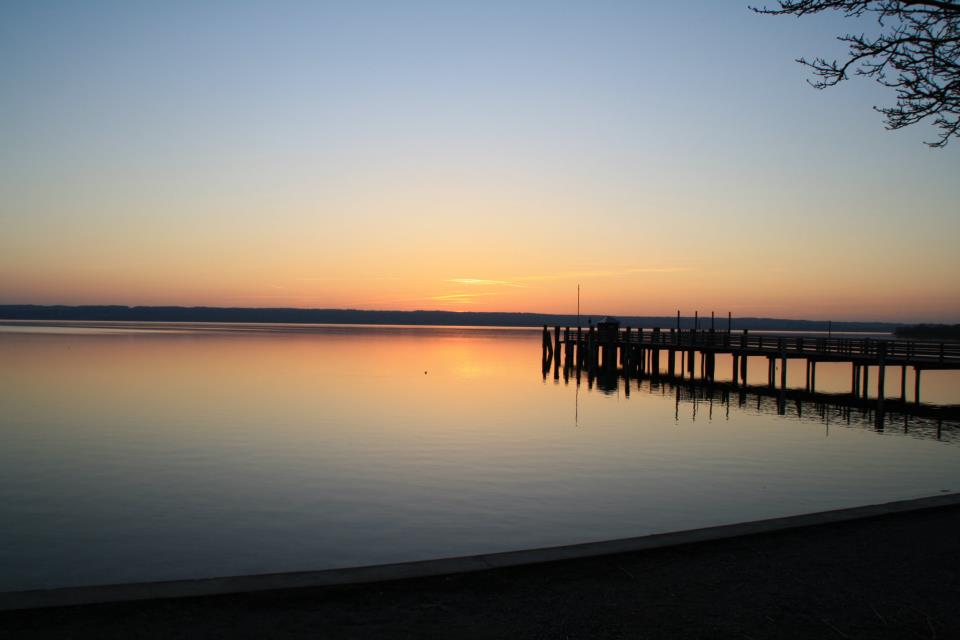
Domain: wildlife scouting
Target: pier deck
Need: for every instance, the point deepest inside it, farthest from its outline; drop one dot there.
(639, 351)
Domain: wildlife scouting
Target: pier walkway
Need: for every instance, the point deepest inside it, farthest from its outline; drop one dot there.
(691, 353)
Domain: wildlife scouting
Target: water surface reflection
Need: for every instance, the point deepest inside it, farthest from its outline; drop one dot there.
(161, 452)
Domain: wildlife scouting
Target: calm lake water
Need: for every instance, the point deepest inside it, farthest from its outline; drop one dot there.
(156, 452)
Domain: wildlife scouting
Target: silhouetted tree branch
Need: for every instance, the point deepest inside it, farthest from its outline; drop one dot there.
(917, 53)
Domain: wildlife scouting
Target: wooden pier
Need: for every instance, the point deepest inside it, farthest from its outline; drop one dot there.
(704, 397)
(691, 354)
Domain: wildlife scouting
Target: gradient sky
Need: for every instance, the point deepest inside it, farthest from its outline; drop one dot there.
(472, 156)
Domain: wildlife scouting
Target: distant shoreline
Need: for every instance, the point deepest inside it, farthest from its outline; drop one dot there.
(120, 313)
(949, 332)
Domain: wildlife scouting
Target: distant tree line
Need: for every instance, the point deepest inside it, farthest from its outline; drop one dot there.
(929, 331)
(357, 316)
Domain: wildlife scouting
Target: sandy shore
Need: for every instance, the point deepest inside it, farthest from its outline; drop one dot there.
(893, 576)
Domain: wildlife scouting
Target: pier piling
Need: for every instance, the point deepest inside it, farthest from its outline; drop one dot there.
(638, 352)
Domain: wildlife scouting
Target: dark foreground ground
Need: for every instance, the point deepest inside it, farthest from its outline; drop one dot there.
(890, 577)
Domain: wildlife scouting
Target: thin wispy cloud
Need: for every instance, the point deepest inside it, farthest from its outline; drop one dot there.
(604, 273)
(566, 275)
(464, 298)
(484, 283)
(346, 278)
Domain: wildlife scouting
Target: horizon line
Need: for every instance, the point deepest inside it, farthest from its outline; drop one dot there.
(719, 319)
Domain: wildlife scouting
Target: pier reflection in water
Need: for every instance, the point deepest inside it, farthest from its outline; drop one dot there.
(695, 398)
(607, 357)
(641, 351)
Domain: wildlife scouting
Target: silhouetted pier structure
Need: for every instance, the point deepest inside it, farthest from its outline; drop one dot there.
(691, 354)
(706, 397)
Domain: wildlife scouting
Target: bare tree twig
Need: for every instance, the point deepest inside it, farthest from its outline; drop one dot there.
(917, 54)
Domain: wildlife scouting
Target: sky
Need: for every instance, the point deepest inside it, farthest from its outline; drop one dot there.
(481, 156)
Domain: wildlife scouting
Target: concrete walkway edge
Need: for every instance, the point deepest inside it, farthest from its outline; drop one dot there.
(71, 596)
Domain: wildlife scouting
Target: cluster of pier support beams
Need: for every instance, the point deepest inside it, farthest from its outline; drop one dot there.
(692, 354)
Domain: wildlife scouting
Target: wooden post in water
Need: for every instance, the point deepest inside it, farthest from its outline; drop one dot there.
(736, 362)
(579, 351)
(813, 377)
(881, 376)
(610, 351)
(866, 381)
(596, 348)
(655, 352)
(743, 368)
(903, 383)
(635, 359)
(641, 353)
(556, 351)
(587, 346)
(916, 385)
(782, 398)
(853, 379)
(781, 347)
(624, 345)
(672, 355)
(595, 351)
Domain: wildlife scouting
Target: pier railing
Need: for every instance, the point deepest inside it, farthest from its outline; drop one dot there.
(792, 346)
(638, 351)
